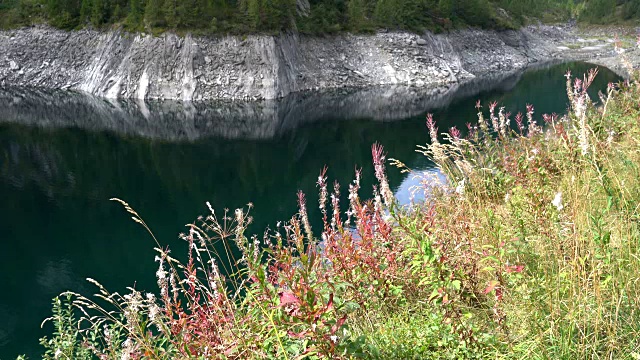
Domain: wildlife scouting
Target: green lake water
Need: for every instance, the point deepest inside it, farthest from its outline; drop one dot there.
(63, 155)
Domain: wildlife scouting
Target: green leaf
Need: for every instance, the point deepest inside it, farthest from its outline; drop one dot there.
(456, 284)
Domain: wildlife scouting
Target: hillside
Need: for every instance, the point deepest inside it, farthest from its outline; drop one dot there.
(307, 16)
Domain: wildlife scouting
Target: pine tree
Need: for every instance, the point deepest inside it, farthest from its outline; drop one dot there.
(135, 14)
(53, 8)
(445, 8)
(385, 13)
(183, 10)
(63, 13)
(85, 11)
(117, 14)
(254, 13)
(98, 12)
(170, 13)
(357, 17)
(153, 13)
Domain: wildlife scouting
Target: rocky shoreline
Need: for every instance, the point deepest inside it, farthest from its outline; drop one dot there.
(115, 64)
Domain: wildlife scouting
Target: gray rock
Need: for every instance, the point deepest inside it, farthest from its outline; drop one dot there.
(116, 64)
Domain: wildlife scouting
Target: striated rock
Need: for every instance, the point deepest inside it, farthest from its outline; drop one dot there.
(117, 64)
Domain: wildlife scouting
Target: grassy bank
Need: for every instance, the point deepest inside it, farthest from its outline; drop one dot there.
(529, 251)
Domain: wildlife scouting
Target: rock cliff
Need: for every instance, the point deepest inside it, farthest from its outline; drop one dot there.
(116, 64)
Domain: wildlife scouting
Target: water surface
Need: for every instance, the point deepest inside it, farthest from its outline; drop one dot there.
(63, 155)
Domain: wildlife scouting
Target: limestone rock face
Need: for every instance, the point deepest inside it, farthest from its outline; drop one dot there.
(117, 64)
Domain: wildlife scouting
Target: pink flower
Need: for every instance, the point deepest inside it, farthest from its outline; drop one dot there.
(455, 133)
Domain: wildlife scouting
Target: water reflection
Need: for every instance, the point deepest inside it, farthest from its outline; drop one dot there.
(174, 120)
(63, 155)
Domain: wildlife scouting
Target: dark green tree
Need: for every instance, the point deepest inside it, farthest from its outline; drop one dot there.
(86, 11)
(445, 8)
(357, 15)
(153, 15)
(385, 13)
(118, 13)
(169, 9)
(254, 13)
(99, 12)
(136, 14)
(63, 13)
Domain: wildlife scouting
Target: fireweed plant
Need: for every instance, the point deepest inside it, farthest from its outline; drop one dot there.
(530, 250)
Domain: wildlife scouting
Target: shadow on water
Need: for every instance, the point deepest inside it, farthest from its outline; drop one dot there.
(63, 155)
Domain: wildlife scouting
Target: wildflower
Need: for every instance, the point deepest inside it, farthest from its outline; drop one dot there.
(569, 89)
(610, 135)
(557, 201)
(256, 249)
(353, 196)
(494, 120)
(302, 206)
(239, 220)
(433, 130)
(533, 125)
(377, 200)
(460, 188)
(520, 123)
(335, 204)
(127, 349)
(455, 133)
(334, 339)
(154, 311)
(481, 122)
(504, 121)
(378, 162)
(57, 354)
(174, 287)
(322, 184)
(472, 131)
(580, 109)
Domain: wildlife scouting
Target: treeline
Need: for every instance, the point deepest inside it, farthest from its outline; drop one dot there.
(609, 11)
(310, 16)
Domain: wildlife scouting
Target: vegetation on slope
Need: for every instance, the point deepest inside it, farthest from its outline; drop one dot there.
(323, 16)
(530, 250)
